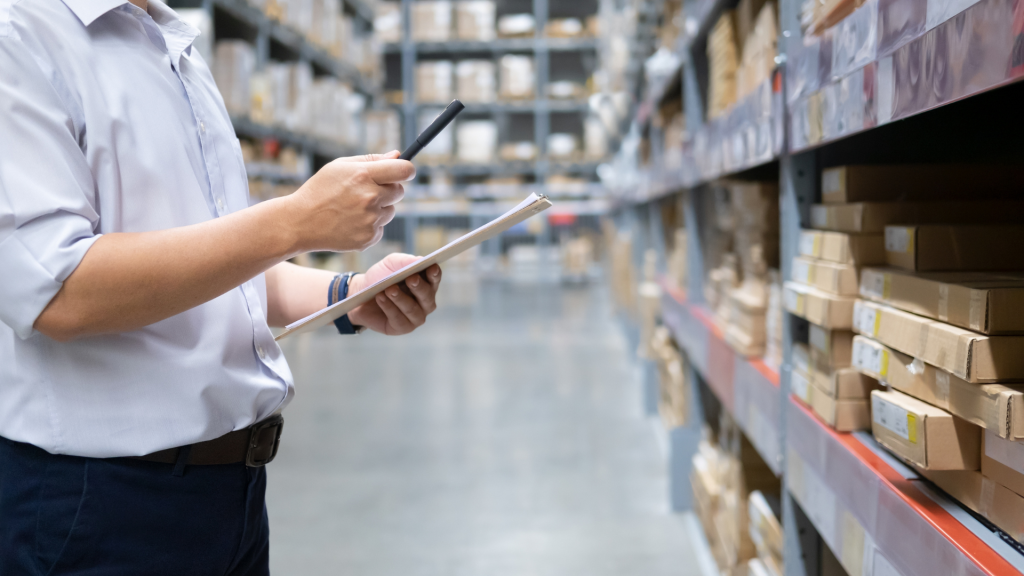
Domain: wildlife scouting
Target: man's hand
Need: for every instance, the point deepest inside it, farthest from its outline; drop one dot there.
(346, 205)
(401, 308)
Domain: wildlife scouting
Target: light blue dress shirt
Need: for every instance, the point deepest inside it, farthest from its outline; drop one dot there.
(110, 122)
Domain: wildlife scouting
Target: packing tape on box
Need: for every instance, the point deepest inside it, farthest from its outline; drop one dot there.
(977, 310)
(944, 302)
(941, 384)
(988, 491)
(963, 355)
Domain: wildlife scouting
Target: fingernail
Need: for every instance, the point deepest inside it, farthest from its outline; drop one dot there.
(393, 292)
(436, 273)
(380, 298)
(414, 281)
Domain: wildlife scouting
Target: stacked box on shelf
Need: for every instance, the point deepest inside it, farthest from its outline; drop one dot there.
(431, 20)
(738, 289)
(673, 379)
(722, 482)
(474, 20)
(766, 532)
(943, 331)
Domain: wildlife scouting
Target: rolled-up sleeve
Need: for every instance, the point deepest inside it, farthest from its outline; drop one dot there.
(48, 215)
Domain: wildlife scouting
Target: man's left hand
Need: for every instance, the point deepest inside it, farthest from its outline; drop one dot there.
(401, 308)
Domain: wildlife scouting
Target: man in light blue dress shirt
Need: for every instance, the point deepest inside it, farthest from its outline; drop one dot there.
(140, 384)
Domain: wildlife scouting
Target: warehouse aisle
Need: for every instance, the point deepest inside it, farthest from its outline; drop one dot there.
(505, 438)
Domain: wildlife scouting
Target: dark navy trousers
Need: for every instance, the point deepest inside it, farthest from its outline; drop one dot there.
(64, 515)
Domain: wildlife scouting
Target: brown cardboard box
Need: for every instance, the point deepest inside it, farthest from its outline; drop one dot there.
(926, 182)
(842, 248)
(801, 358)
(843, 415)
(476, 82)
(833, 278)
(831, 348)
(434, 82)
(932, 247)
(821, 308)
(924, 435)
(995, 407)
(474, 20)
(974, 357)
(1003, 461)
(844, 383)
(765, 528)
(873, 217)
(979, 301)
(431, 21)
(998, 504)
(516, 77)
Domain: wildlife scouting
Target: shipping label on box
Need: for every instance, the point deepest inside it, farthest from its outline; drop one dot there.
(924, 435)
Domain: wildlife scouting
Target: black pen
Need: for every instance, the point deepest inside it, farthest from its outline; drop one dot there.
(439, 123)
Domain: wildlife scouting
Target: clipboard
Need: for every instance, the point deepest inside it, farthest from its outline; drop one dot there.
(533, 205)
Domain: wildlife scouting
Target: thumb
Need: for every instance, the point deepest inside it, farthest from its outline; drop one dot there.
(370, 157)
(397, 261)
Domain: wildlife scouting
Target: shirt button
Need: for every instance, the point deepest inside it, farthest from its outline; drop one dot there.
(259, 350)
(202, 127)
(220, 204)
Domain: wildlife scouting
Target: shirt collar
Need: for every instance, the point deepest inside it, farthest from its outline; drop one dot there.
(89, 10)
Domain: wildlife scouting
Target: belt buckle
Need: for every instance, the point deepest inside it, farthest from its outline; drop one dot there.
(251, 459)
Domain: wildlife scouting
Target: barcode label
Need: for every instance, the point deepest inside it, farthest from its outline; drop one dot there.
(893, 418)
(801, 271)
(873, 284)
(899, 239)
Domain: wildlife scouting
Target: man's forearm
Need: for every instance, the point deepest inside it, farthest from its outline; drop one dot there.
(130, 280)
(294, 292)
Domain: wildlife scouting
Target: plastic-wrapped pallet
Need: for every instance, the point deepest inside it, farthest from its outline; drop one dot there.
(383, 131)
(434, 82)
(475, 81)
(431, 21)
(387, 22)
(475, 20)
(477, 141)
(517, 77)
(233, 67)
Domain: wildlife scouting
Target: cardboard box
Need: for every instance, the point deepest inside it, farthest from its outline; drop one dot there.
(979, 301)
(873, 217)
(830, 348)
(475, 20)
(842, 415)
(765, 528)
(974, 357)
(475, 81)
(801, 358)
(476, 141)
(434, 82)
(431, 20)
(995, 407)
(1003, 461)
(842, 248)
(516, 77)
(844, 383)
(932, 248)
(926, 182)
(924, 435)
(800, 386)
(833, 278)
(998, 504)
(821, 308)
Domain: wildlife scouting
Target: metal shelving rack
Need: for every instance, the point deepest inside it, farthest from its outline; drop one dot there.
(937, 89)
(541, 48)
(266, 34)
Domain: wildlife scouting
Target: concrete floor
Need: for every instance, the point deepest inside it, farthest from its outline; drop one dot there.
(504, 438)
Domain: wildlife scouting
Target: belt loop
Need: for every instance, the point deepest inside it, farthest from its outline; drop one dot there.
(179, 465)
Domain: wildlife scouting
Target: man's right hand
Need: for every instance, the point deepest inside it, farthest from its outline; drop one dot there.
(346, 204)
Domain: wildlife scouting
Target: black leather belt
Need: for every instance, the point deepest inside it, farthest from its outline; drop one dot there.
(256, 446)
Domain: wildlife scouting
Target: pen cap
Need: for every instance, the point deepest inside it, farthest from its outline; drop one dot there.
(442, 120)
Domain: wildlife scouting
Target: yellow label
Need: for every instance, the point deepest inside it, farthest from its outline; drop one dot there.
(878, 322)
(886, 286)
(883, 365)
(912, 428)
(817, 246)
(800, 304)
(910, 240)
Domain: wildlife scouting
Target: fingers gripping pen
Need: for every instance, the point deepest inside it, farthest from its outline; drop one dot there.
(435, 128)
